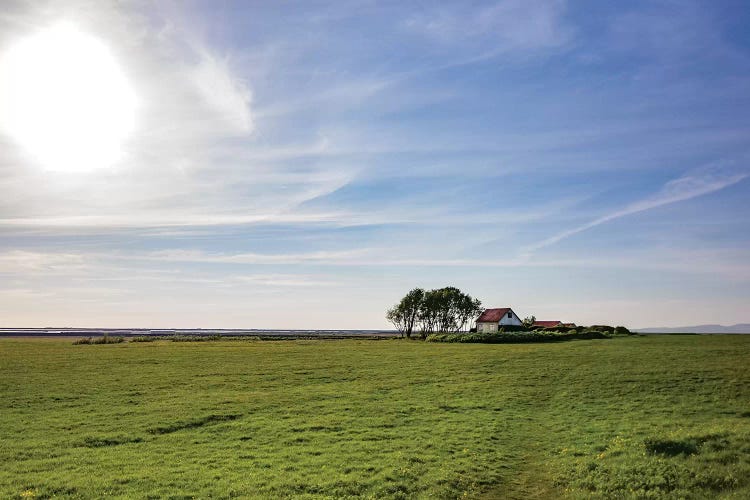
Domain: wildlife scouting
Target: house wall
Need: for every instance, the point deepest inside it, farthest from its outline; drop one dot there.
(486, 327)
(510, 321)
(492, 327)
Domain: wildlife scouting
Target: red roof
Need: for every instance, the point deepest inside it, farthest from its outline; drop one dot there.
(493, 315)
(547, 324)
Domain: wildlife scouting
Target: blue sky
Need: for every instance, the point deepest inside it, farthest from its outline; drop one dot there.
(302, 165)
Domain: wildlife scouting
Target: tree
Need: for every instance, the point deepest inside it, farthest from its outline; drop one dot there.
(429, 310)
(409, 307)
(455, 309)
(448, 300)
(469, 308)
(394, 316)
(404, 315)
(445, 309)
(529, 321)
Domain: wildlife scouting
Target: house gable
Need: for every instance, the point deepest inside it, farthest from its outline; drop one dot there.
(491, 319)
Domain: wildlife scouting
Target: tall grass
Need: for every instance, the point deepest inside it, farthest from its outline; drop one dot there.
(105, 339)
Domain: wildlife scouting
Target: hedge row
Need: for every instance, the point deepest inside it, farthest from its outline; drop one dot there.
(106, 339)
(610, 330)
(514, 337)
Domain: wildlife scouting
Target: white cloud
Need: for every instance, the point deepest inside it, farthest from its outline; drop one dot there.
(255, 258)
(691, 185)
(148, 220)
(224, 92)
(285, 280)
(24, 261)
(502, 27)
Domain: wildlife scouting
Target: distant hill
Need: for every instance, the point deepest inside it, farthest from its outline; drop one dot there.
(739, 328)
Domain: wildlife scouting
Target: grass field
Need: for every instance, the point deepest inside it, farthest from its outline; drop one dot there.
(656, 416)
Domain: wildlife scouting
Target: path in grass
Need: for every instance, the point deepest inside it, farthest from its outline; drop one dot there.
(664, 416)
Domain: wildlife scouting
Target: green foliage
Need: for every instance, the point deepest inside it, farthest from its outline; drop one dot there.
(193, 338)
(602, 328)
(632, 417)
(104, 339)
(153, 338)
(560, 329)
(514, 337)
(405, 314)
(445, 309)
(512, 328)
(528, 322)
(621, 330)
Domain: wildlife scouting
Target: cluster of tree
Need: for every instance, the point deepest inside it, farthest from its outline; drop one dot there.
(442, 310)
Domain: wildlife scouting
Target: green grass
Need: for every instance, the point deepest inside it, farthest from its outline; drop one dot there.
(632, 417)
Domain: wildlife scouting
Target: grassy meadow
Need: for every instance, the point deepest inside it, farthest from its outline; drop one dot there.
(640, 417)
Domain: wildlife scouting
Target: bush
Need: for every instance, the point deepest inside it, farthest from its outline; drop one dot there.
(512, 328)
(106, 339)
(194, 338)
(513, 337)
(178, 338)
(560, 329)
(621, 330)
(603, 328)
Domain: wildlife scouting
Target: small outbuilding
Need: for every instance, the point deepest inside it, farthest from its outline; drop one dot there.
(548, 324)
(492, 319)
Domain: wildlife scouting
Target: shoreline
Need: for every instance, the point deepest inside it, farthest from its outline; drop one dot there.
(70, 333)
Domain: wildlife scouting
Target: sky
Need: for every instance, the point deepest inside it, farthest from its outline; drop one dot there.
(305, 164)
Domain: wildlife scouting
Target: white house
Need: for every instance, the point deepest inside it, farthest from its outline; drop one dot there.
(491, 319)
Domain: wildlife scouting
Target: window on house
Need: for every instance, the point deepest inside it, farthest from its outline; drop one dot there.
(510, 314)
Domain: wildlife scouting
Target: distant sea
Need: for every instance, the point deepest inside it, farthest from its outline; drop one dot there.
(224, 332)
(702, 329)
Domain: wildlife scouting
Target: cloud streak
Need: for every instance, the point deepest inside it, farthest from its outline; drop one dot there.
(167, 220)
(505, 25)
(691, 185)
(224, 92)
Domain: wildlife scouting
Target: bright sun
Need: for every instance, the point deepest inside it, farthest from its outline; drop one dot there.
(65, 100)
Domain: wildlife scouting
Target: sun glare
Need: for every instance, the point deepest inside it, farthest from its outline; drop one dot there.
(65, 100)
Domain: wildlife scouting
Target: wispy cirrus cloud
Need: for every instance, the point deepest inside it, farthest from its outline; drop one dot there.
(285, 280)
(500, 27)
(22, 261)
(691, 185)
(254, 258)
(148, 220)
(228, 95)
